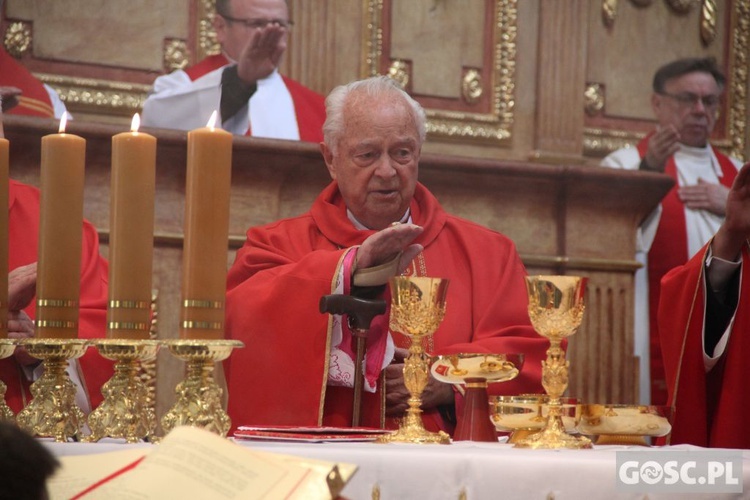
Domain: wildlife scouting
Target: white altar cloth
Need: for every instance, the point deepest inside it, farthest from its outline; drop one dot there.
(462, 470)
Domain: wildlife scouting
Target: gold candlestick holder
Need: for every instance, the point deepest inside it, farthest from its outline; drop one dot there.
(198, 401)
(7, 346)
(53, 412)
(126, 411)
(556, 310)
(417, 308)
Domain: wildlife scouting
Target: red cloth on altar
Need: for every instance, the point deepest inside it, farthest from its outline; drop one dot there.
(34, 99)
(309, 106)
(280, 274)
(23, 236)
(709, 407)
(669, 250)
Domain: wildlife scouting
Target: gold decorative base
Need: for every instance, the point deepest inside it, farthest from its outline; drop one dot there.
(554, 437)
(53, 411)
(7, 347)
(520, 435)
(198, 401)
(412, 431)
(622, 439)
(125, 411)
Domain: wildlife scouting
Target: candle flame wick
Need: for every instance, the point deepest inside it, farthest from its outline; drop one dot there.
(212, 121)
(63, 122)
(136, 123)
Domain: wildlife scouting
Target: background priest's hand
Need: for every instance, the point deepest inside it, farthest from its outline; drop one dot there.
(705, 196)
(663, 144)
(21, 289)
(397, 395)
(262, 53)
(386, 244)
(736, 227)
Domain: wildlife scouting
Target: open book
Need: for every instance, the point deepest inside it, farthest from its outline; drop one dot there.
(193, 463)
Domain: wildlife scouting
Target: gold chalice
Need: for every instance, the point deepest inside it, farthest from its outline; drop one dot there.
(556, 310)
(474, 372)
(7, 347)
(417, 308)
(625, 424)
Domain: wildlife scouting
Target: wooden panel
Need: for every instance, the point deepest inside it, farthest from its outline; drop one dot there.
(564, 219)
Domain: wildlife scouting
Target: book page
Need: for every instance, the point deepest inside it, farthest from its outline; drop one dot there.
(193, 463)
(77, 472)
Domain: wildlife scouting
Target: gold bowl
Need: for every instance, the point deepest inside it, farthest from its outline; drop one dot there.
(526, 414)
(623, 423)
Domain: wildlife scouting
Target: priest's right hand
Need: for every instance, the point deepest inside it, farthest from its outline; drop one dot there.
(262, 53)
(387, 243)
(735, 230)
(662, 145)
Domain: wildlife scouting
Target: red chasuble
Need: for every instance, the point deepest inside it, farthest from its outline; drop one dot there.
(309, 106)
(669, 250)
(34, 99)
(709, 407)
(284, 268)
(23, 236)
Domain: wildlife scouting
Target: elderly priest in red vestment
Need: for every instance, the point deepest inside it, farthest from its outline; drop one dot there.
(373, 221)
(704, 333)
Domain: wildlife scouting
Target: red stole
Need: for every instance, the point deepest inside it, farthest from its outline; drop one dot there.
(669, 250)
(708, 407)
(309, 106)
(34, 99)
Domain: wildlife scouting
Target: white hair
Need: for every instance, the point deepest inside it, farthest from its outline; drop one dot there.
(376, 86)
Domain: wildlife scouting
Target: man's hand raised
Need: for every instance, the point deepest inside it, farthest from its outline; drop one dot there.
(262, 53)
(387, 243)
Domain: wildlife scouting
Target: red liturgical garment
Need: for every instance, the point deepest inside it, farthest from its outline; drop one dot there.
(709, 407)
(284, 268)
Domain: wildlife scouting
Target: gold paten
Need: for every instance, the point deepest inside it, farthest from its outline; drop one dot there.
(417, 308)
(125, 411)
(556, 310)
(7, 346)
(198, 397)
(53, 412)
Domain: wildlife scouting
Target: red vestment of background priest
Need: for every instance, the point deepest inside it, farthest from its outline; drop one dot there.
(284, 268)
(23, 237)
(709, 407)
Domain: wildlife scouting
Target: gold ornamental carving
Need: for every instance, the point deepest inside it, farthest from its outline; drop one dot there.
(609, 12)
(708, 21)
(471, 86)
(682, 6)
(494, 126)
(399, 73)
(207, 44)
(17, 38)
(175, 54)
(115, 98)
(593, 98)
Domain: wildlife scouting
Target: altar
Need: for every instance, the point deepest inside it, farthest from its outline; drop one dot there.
(465, 470)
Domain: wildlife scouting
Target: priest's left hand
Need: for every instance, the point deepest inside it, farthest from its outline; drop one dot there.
(705, 196)
(397, 395)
